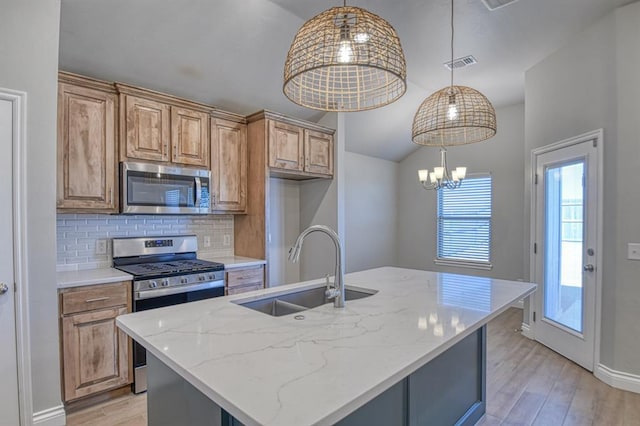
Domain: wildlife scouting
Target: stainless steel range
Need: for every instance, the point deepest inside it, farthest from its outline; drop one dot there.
(166, 271)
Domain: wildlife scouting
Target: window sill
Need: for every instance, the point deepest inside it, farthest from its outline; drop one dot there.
(464, 264)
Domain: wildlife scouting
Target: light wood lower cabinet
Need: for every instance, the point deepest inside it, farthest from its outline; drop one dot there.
(95, 354)
(245, 279)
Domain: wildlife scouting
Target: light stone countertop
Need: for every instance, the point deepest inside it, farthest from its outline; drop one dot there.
(232, 262)
(79, 278)
(282, 371)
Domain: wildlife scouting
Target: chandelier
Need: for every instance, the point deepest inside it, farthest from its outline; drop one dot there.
(454, 115)
(441, 177)
(345, 59)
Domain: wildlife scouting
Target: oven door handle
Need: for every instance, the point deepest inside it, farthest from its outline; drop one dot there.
(158, 292)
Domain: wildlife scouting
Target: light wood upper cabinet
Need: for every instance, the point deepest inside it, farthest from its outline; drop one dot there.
(163, 128)
(86, 152)
(190, 137)
(95, 354)
(229, 165)
(318, 152)
(286, 146)
(146, 124)
(296, 149)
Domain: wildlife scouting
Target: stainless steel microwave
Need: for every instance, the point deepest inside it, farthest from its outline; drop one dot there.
(156, 189)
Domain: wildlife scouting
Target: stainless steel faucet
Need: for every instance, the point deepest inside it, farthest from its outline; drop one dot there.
(334, 291)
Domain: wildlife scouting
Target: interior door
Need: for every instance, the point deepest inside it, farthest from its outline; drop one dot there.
(9, 413)
(566, 208)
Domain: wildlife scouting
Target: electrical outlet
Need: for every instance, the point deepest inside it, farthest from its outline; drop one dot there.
(207, 241)
(227, 240)
(101, 246)
(633, 251)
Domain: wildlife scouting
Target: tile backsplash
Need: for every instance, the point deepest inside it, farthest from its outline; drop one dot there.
(77, 235)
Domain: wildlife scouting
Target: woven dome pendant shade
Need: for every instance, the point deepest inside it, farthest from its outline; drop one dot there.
(345, 59)
(475, 121)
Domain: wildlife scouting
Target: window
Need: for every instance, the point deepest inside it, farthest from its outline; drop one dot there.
(464, 224)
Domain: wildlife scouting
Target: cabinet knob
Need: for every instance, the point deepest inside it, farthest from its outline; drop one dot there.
(3, 288)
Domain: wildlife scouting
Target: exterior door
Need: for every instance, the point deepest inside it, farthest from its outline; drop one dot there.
(9, 411)
(566, 248)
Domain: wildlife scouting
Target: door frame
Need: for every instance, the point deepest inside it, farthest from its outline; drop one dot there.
(598, 137)
(18, 100)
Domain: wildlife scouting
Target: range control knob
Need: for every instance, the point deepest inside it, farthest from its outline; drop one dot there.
(210, 276)
(165, 283)
(183, 280)
(201, 277)
(153, 284)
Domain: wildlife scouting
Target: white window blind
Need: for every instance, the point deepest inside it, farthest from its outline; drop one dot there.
(464, 222)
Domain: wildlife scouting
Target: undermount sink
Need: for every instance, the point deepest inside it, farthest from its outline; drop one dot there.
(300, 300)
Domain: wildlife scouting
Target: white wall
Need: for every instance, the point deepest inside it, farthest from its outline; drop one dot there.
(322, 203)
(284, 227)
(29, 51)
(592, 83)
(503, 157)
(370, 212)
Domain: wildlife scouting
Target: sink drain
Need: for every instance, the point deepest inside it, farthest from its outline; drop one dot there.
(299, 317)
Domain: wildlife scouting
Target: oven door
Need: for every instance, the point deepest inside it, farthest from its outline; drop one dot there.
(216, 289)
(157, 189)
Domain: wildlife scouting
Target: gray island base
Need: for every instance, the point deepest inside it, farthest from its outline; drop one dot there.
(448, 390)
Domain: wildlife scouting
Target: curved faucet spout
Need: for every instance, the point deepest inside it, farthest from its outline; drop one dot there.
(337, 293)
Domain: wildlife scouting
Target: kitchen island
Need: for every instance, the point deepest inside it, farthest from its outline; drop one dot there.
(413, 353)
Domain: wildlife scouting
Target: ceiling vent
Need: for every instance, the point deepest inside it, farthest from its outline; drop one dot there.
(497, 4)
(460, 62)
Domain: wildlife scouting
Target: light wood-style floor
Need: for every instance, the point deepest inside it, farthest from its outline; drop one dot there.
(527, 384)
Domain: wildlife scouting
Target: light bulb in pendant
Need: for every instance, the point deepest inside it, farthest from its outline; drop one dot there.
(345, 52)
(452, 112)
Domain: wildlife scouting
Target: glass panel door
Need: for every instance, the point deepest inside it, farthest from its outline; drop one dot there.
(564, 244)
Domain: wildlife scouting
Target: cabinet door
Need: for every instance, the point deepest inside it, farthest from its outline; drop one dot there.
(318, 152)
(286, 146)
(243, 280)
(229, 165)
(189, 137)
(86, 149)
(95, 353)
(146, 134)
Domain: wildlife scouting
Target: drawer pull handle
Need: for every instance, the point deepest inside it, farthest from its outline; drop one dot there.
(97, 299)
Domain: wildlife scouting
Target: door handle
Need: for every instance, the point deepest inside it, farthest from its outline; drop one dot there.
(588, 268)
(3, 288)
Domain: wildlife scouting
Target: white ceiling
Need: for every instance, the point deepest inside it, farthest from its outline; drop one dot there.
(231, 53)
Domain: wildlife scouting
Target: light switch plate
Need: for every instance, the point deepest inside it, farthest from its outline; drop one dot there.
(227, 239)
(206, 241)
(633, 251)
(101, 246)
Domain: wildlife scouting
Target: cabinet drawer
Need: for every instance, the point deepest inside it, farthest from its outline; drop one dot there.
(95, 297)
(244, 277)
(243, 288)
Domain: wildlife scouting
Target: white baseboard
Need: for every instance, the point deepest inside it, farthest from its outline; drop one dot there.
(526, 331)
(54, 416)
(618, 379)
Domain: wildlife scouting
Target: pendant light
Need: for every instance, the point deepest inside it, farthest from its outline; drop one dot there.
(454, 115)
(345, 59)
